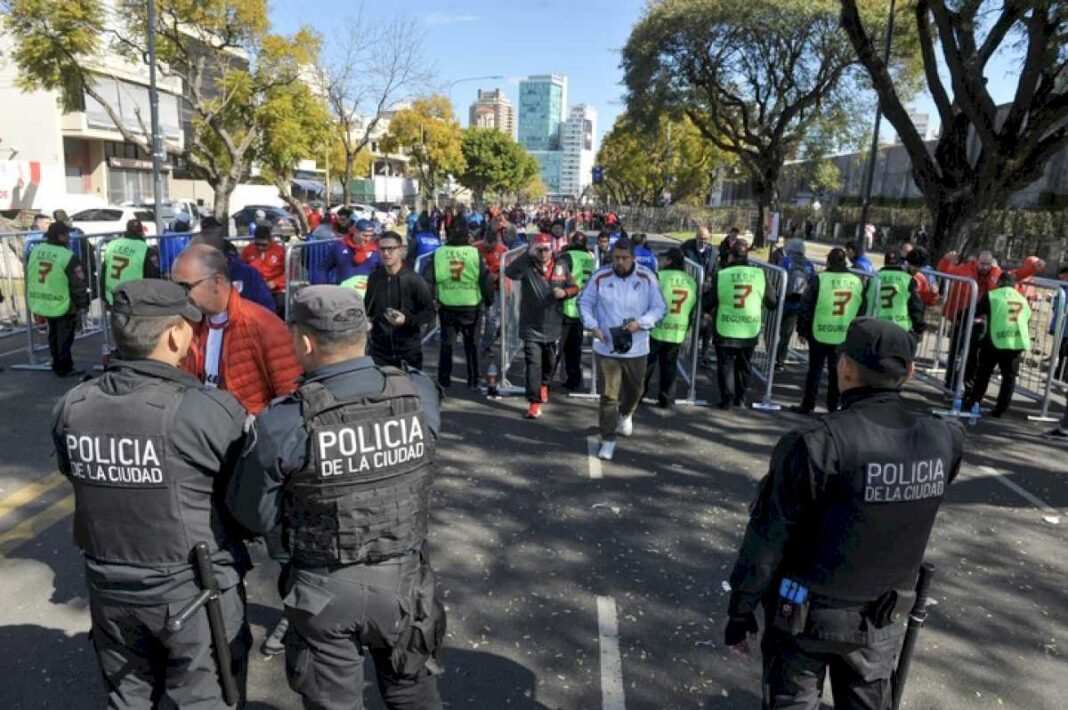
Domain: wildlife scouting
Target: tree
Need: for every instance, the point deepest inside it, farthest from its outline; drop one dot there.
(494, 162)
(753, 76)
(985, 152)
(683, 165)
(373, 67)
(432, 138)
(294, 123)
(222, 52)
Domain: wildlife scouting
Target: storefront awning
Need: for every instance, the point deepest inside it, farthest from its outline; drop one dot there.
(309, 185)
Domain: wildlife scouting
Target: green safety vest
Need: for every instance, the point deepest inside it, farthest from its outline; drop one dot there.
(740, 312)
(456, 276)
(582, 267)
(358, 282)
(47, 287)
(124, 260)
(893, 305)
(680, 293)
(1010, 319)
(837, 304)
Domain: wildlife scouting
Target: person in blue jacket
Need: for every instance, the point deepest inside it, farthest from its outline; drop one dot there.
(858, 259)
(422, 239)
(352, 255)
(245, 279)
(642, 253)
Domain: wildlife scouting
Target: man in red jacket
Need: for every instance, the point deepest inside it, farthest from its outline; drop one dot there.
(268, 257)
(985, 271)
(240, 346)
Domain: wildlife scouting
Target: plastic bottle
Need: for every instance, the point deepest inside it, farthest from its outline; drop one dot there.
(973, 414)
(492, 377)
(957, 405)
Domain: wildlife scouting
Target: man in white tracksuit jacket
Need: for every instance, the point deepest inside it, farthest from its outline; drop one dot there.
(620, 304)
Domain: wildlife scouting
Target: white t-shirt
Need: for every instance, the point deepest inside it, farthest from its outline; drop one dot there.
(213, 350)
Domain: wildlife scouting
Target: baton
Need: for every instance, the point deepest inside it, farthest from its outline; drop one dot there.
(917, 617)
(209, 599)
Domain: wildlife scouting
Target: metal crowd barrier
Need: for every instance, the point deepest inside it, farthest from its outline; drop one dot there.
(763, 363)
(12, 281)
(421, 262)
(304, 262)
(1039, 375)
(942, 353)
(509, 293)
(691, 347)
(587, 334)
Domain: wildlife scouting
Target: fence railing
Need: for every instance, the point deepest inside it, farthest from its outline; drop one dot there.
(764, 356)
(510, 295)
(691, 347)
(1042, 369)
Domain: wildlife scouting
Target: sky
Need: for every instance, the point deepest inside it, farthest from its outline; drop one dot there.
(581, 39)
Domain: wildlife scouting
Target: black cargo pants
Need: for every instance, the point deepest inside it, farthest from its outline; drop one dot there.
(335, 615)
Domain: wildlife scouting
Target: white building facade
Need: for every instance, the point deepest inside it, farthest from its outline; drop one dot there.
(576, 143)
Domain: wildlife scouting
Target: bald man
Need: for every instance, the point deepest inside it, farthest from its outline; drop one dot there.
(240, 346)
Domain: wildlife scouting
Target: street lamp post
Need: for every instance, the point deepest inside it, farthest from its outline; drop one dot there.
(869, 177)
(153, 104)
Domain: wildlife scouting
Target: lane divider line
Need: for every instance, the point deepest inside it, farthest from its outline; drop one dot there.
(593, 444)
(29, 493)
(611, 664)
(1023, 493)
(32, 527)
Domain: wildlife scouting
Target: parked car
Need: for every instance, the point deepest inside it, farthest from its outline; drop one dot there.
(102, 220)
(283, 224)
(169, 211)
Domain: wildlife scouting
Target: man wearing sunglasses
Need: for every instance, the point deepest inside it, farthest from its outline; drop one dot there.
(240, 346)
(399, 303)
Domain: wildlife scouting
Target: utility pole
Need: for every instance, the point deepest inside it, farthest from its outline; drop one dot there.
(153, 103)
(869, 177)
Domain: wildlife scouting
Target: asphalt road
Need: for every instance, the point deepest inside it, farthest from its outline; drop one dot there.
(574, 583)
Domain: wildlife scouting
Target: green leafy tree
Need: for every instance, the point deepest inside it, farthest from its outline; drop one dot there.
(222, 52)
(753, 76)
(494, 163)
(432, 138)
(985, 152)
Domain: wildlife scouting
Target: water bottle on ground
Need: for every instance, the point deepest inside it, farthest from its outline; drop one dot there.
(973, 414)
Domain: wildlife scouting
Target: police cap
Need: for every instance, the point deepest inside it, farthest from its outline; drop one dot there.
(329, 309)
(880, 346)
(154, 297)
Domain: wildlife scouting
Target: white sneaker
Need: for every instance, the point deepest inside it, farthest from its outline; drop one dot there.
(625, 427)
(607, 449)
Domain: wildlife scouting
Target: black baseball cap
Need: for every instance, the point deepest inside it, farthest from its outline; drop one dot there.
(329, 309)
(154, 297)
(880, 346)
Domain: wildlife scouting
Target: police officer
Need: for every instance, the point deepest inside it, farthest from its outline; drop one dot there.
(149, 451)
(578, 260)
(56, 289)
(679, 290)
(344, 465)
(129, 258)
(831, 303)
(734, 305)
(463, 286)
(1007, 337)
(899, 299)
(838, 531)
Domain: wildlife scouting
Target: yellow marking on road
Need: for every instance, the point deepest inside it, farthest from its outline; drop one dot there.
(30, 493)
(34, 526)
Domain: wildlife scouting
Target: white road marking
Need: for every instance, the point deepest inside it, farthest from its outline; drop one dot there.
(1025, 494)
(611, 665)
(593, 443)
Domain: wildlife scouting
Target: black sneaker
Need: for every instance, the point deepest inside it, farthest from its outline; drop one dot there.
(798, 409)
(1057, 434)
(275, 644)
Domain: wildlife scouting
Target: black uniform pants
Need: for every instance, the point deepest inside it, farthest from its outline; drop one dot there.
(142, 661)
(733, 368)
(466, 325)
(339, 615)
(664, 359)
(1008, 364)
(819, 355)
(539, 359)
(571, 346)
(402, 350)
(1061, 371)
(795, 668)
(61, 333)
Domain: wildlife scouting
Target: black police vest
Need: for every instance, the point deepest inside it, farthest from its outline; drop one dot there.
(137, 501)
(363, 495)
(875, 513)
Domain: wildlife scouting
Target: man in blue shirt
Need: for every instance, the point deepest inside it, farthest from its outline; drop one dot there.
(858, 259)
